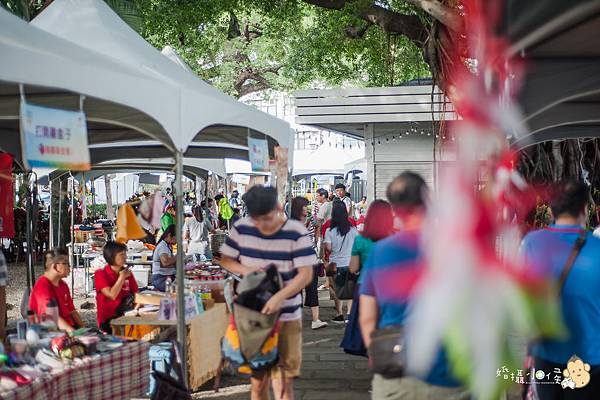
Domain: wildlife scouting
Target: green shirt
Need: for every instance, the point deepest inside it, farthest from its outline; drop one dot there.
(166, 220)
(362, 248)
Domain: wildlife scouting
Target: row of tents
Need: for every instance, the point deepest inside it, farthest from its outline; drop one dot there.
(140, 104)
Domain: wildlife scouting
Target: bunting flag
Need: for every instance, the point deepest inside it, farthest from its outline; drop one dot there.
(7, 218)
(475, 290)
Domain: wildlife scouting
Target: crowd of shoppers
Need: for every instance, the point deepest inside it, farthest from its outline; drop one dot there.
(386, 245)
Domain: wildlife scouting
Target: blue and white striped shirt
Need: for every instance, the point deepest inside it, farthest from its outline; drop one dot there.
(288, 249)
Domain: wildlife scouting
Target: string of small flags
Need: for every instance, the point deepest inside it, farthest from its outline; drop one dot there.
(385, 139)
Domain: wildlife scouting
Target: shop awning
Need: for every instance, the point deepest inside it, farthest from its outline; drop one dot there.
(561, 93)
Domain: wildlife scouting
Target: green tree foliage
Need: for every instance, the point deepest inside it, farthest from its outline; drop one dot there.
(28, 9)
(245, 46)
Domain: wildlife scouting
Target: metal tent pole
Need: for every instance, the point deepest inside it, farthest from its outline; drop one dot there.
(29, 230)
(179, 276)
(72, 231)
(59, 232)
(50, 210)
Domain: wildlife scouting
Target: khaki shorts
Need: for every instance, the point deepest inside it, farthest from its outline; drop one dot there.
(409, 388)
(290, 350)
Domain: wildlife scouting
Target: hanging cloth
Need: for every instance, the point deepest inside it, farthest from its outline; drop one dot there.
(128, 227)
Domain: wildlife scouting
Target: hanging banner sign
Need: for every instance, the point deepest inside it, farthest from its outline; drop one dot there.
(258, 152)
(52, 138)
(7, 196)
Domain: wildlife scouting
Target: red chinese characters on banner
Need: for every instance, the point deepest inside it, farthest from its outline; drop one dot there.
(7, 219)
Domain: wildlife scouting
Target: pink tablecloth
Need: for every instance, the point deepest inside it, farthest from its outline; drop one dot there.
(121, 374)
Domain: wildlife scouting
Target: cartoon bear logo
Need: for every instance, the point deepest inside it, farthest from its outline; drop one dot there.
(577, 373)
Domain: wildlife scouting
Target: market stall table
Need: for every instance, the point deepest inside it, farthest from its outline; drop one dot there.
(120, 374)
(204, 334)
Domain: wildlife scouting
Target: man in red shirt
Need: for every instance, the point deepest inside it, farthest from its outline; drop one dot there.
(51, 286)
(113, 283)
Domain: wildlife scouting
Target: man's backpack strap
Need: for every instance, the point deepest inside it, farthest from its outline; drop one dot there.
(579, 243)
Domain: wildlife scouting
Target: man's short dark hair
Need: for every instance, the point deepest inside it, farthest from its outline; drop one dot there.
(340, 186)
(570, 198)
(407, 190)
(111, 249)
(260, 200)
(54, 255)
(322, 192)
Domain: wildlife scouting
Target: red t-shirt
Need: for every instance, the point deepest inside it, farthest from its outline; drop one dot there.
(44, 290)
(327, 224)
(106, 278)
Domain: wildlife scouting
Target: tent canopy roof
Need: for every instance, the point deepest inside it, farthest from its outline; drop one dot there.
(195, 110)
(216, 166)
(152, 149)
(54, 72)
(132, 168)
(561, 92)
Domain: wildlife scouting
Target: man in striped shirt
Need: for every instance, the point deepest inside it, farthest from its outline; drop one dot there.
(266, 237)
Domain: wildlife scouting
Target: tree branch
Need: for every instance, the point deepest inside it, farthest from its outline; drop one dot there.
(233, 30)
(251, 88)
(388, 20)
(447, 16)
(357, 32)
(260, 82)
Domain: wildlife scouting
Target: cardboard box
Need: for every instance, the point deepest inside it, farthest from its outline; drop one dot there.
(149, 297)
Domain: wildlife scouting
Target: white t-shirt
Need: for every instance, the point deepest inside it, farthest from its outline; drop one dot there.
(324, 211)
(348, 202)
(162, 248)
(341, 246)
(198, 230)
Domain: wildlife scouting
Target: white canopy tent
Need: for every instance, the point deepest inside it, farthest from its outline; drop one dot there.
(153, 149)
(215, 165)
(119, 103)
(49, 71)
(202, 112)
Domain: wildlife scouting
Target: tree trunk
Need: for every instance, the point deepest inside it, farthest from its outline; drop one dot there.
(110, 213)
(60, 202)
(558, 160)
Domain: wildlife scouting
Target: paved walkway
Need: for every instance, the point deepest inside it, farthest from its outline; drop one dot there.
(327, 372)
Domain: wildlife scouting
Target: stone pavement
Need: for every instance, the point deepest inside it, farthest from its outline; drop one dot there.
(327, 372)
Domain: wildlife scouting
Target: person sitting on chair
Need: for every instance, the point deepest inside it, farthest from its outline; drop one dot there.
(115, 285)
(50, 286)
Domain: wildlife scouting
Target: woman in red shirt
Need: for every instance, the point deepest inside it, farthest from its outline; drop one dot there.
(114, 285)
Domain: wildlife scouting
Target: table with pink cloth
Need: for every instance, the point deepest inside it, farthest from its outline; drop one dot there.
(120, 374)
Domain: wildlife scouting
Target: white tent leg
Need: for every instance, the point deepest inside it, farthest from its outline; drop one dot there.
(181, 325)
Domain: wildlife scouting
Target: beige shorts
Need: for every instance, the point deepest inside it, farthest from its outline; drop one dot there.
(290, 350)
